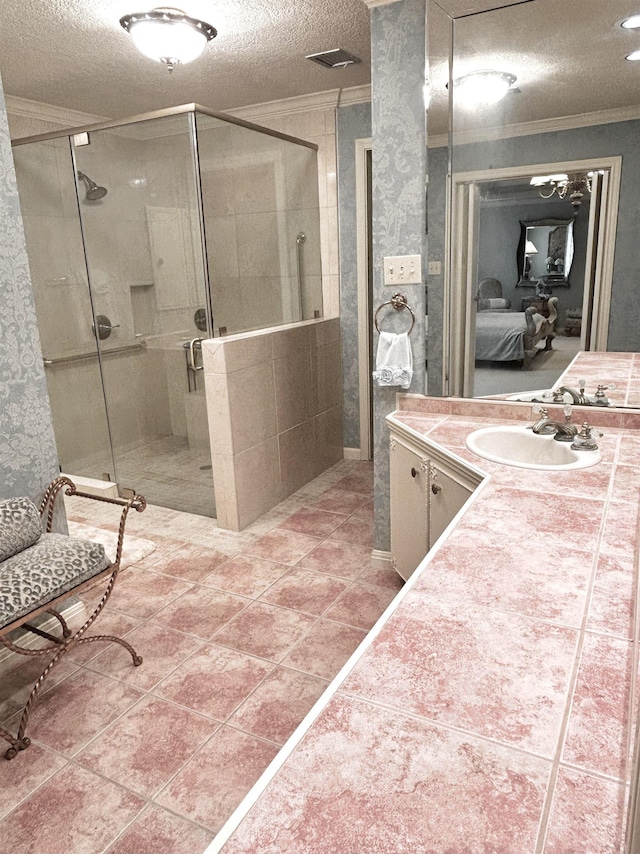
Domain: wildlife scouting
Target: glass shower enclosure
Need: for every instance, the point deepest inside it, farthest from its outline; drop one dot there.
(145, 237)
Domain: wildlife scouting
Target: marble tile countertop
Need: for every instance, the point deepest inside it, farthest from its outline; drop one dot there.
(487, 711)
(619, 371)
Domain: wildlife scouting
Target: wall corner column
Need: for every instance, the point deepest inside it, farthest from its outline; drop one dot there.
(398, 62)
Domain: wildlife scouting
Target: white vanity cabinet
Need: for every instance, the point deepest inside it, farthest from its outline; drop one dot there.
(428, 487)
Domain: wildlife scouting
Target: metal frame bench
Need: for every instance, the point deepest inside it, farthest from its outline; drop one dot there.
(39, 571)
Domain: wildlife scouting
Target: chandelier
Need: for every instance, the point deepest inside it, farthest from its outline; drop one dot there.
(574, 186)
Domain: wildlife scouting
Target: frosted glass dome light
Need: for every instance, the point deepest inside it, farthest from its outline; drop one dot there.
(167, 35)
(483, 88)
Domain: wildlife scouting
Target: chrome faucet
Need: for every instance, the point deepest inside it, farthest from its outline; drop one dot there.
(564, 431)
(578, 398)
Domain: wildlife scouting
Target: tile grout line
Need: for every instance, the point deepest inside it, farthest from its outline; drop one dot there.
(545, 817)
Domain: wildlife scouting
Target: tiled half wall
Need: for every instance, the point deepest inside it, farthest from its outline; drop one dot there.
(274, 399)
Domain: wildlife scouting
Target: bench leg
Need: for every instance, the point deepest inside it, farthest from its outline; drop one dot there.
(137, 659)
(66, 631)
(69, 640)
(16, 744)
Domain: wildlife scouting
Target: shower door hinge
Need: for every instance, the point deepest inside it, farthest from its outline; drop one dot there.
(81, 138)
(126, 492)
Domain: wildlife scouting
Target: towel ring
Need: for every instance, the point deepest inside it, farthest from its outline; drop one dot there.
(397, 301)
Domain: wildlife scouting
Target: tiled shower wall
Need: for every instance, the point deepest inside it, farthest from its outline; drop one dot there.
(316, 125)
(275, 410)
(259, 193)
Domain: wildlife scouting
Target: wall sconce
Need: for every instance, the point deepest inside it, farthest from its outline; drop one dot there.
(574, 186)
(168, 35)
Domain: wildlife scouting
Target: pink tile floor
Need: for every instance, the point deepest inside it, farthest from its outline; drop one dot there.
(240, 634)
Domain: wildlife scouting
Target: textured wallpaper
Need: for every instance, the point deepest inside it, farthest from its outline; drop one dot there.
(28, 459)
(399, 204)
(353, 122)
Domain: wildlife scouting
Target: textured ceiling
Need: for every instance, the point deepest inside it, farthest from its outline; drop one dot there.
(74, 53)
(568, 55)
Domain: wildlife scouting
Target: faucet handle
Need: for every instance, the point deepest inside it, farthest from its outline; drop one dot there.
(585, 440)
(538, 409)
(567, 412)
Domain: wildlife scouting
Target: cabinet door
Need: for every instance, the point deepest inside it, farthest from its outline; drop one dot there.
(446, 497)
(409, 478)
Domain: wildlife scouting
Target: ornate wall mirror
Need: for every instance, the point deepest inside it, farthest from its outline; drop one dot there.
(545, 253)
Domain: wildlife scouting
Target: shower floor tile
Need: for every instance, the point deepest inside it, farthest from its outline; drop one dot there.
(240, 634)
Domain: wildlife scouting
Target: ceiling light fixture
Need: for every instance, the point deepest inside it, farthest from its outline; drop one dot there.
(634, 56)
(168, 35)
(575, 186)
(483, 88)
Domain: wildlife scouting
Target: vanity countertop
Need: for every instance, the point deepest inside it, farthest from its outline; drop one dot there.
(621, 370)
(487, 709)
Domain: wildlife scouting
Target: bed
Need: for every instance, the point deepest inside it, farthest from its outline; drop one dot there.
(505, 336)
(514, 335)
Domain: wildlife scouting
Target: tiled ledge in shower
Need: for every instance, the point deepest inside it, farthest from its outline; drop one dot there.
(274, 401)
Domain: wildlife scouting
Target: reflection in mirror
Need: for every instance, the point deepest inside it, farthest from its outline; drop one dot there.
(545, 253)
(568, 114)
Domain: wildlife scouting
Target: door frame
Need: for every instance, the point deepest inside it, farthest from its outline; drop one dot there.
(459, 272)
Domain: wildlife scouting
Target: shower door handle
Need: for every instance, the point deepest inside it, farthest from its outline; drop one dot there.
(193, 365)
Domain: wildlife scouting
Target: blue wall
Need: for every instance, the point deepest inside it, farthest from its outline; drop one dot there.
(28, 458)
(498, 243)
(399, 204)
(617, 139)
(353, 122)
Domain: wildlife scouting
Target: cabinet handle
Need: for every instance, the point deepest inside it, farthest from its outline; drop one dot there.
(414, 473)
(436, 488)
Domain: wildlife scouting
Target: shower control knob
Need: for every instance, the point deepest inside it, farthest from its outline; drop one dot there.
(103, 327)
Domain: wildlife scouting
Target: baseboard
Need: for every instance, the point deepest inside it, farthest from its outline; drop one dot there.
(381, 560)
(351, 453)
(31, 641)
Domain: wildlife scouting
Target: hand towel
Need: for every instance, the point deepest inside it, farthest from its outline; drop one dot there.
(394, 360)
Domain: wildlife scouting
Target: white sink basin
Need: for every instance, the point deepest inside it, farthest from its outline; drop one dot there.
(521, 447)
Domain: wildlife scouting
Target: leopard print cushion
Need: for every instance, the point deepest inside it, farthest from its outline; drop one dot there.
(54, 565)
(19, 526)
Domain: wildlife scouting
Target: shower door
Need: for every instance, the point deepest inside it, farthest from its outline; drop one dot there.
(139, 206)
(53, 237)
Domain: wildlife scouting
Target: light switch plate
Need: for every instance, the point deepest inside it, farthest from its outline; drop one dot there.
(402, 270)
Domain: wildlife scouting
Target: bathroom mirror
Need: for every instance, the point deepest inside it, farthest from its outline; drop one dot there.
(545, 253)
(569, 112)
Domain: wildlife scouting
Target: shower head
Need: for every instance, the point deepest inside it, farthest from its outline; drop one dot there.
(93, 191)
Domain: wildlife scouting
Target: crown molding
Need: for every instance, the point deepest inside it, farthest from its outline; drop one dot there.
(287, 106)
(62, 116)
(562, 123)
(355, 95)
(372, 4)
